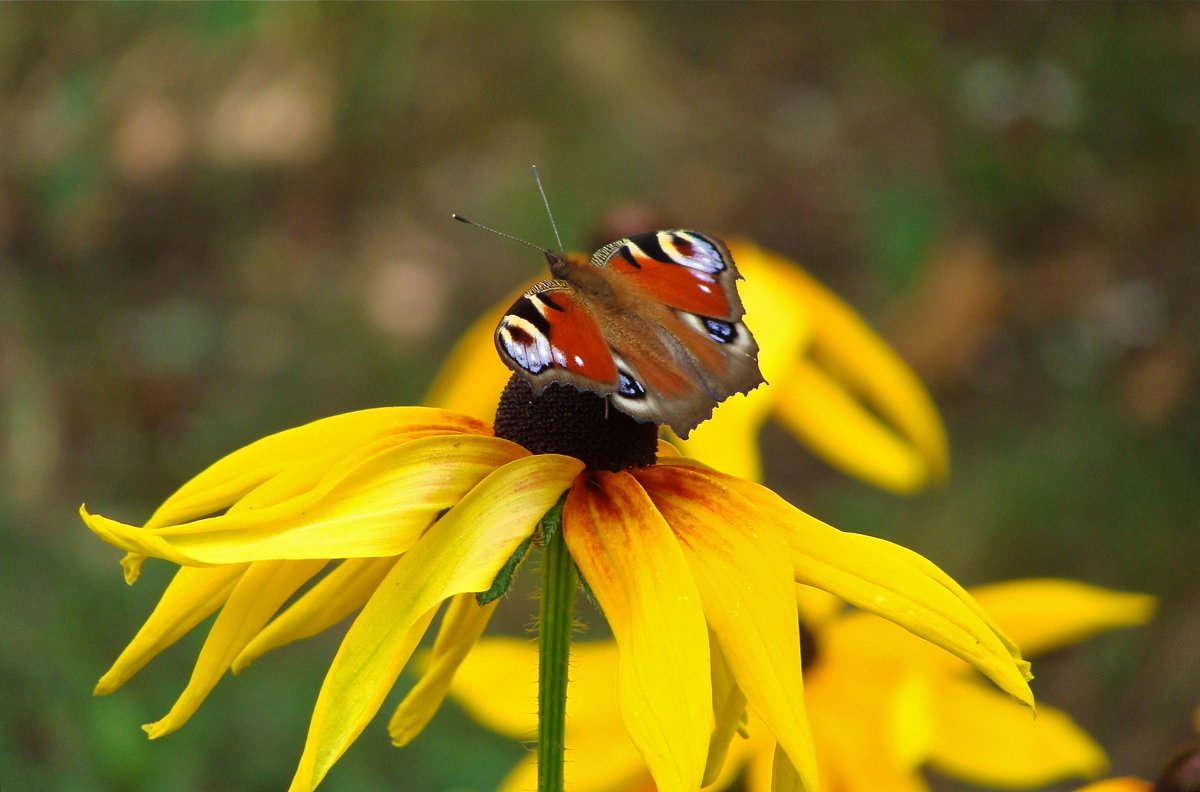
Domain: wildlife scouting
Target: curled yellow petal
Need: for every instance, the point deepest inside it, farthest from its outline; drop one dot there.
(333, 598)
(865, 378)
(842, 430)
(636, 569)
(729, 440)
(462, 552)
(377, 508)
(191, 597)
(852, 351)
(461, 627)
(229, 478)
(258, 594)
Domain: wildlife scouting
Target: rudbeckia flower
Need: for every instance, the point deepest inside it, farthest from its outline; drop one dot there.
(880, 703)
(833, 383)
(397, 511)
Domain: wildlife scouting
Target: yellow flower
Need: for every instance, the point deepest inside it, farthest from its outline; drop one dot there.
(832, 382)
(695, 571)
(880, 703)
(1124, 784)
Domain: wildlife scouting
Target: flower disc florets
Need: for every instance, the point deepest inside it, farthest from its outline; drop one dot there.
(563, 420)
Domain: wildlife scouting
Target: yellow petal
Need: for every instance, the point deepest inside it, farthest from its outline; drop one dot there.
(331, 599)
(729, 440)
(511, 708)
(461, 627)
(856, 736)
(258, 594)
(891, 581)
(472, 378)
(1126, 784)
(729, 712)
(635, 568)
(847, 351)
(191, 597)
(746, 585)
(461, 553)
(846, 433)
(229, 478)
(602, 763)
(1045, 614)
(784, 775)
(989, 740)
(375, 509)
(851, 350)
(600, 756)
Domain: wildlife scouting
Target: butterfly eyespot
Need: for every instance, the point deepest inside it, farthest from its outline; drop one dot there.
(721, 332)
(629, 387)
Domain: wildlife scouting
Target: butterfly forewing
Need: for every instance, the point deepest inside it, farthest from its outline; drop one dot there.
(680, 269)
(549, 329)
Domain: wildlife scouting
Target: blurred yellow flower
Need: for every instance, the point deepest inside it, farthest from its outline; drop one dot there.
(880, 703)
(832, 382)
(694, 570)
(1124, 784)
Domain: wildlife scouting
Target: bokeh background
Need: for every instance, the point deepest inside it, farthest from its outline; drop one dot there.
(220, 220)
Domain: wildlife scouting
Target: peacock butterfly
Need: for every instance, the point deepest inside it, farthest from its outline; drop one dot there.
(653, 323)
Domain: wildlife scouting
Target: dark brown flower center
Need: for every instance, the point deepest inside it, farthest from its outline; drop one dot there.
(563, 420)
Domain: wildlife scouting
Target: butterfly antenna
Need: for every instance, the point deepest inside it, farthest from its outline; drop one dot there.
(554, 225)
(462, 219)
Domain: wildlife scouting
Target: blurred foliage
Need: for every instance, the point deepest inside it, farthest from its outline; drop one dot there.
(220, 220)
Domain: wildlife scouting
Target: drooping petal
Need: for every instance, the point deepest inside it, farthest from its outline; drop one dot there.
(885, 579)
(331, 599)
(634, 566)
(600, 755)
(461, 627)
(1045, 614)
(842, 430)
(989, 740)
(745, 579)
(375, 509)
(190, 598)
(860, 736)
(729, 712)
(849, 349)
(784, 775)
(510, 708)
(729, 440)
(227, 479)
(461, 553)
(262, 589)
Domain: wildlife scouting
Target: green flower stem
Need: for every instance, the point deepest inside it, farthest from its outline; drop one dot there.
(557, 605)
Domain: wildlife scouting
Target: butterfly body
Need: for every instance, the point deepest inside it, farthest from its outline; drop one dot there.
(652, 322)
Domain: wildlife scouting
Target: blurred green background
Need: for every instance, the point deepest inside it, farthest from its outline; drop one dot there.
(220, 220)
